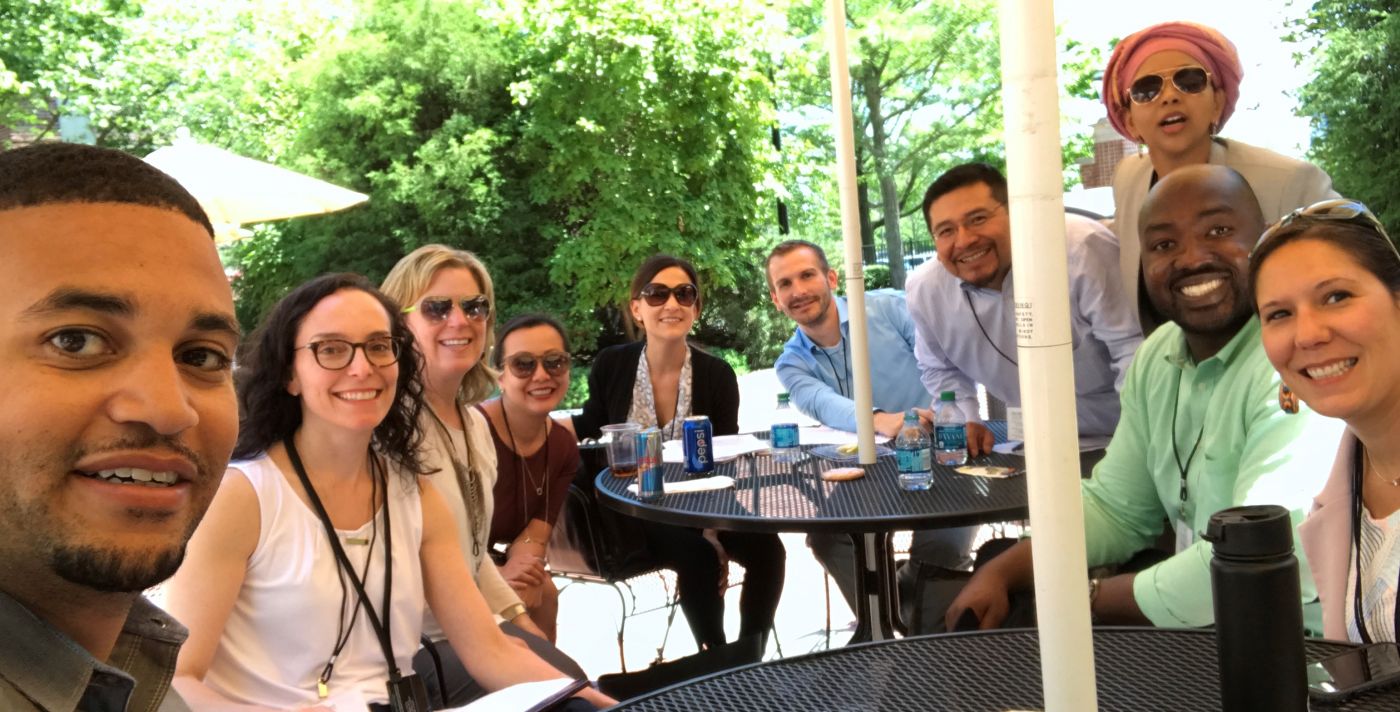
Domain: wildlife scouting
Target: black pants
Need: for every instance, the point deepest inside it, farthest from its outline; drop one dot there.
(457, 688)
(685, 551)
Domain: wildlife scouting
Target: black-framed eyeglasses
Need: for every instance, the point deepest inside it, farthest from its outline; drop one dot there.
(1336, 210)
(655, 294)
(1188, 80)
(336, 354)
(523, 365)
(437, 309)
(972, 221)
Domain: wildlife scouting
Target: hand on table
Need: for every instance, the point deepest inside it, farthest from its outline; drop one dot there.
(986, 595)
(599, 700)
(979, 440)
(888, 424)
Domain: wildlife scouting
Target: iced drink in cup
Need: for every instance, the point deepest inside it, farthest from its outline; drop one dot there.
(622, 448)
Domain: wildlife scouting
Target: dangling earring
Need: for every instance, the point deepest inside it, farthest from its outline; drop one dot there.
(1214, 128)
(1287, 399)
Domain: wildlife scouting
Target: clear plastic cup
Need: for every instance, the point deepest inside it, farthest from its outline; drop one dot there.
(622, 448)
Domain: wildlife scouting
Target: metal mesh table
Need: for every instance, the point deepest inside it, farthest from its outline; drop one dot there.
(1138, 669)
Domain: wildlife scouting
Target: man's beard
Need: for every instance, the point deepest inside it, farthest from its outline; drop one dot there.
(109, 571)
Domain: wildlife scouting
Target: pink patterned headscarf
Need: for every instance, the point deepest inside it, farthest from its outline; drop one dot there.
(1213, 50)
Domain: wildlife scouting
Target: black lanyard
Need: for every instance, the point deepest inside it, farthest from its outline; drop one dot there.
(381, 629)
(985, 335)
(845, 366)
(1358, 472)
(1181, 467)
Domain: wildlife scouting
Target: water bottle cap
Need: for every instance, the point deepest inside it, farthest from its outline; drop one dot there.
(947, 396)
(1260, 531)
(784, 399)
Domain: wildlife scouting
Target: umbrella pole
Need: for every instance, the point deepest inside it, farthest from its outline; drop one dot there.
(844, 132)
(1030, 98)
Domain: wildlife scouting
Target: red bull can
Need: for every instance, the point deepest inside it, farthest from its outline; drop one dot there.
(651, 486)
(698, 437)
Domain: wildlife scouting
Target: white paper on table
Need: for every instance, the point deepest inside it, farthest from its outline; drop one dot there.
(704, 484)
(1086, 444)
(726, 447)
(516, 697)
(822, 435)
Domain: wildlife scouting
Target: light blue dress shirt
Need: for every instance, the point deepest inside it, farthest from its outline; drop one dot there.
(967, 334)
(819, 380)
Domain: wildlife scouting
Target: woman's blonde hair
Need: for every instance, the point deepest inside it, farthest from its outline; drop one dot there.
(408, 282)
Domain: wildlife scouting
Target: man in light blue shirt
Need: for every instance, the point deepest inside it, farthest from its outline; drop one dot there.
(815, 369)
(964, 309)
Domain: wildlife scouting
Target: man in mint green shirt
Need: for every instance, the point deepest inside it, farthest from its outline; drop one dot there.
(1201, 429)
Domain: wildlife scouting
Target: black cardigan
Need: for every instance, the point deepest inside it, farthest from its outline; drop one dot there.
(714, 390)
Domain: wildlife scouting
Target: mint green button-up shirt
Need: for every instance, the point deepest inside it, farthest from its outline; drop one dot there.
(1250, 452)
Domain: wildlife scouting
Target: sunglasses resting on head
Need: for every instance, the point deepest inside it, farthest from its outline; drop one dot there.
(437, 309)
(655, 294)
(1335, 209)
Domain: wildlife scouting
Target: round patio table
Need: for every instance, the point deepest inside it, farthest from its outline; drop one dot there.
(770, 496)
(1138, 670)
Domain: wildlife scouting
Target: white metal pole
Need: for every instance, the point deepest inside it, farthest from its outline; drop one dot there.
(844, 132)
(1030, 96)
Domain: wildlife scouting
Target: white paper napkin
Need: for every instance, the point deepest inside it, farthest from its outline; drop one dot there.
(726, 447)
(703, 484)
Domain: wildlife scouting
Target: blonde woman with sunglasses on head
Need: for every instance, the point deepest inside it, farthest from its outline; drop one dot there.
(659, 382)
(536, 458)
(1326, 283)
(449, 302)
(1170, 88)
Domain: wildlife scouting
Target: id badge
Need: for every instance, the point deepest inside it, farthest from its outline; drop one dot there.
(1185, 537)
(407, 694)
(1015, 428)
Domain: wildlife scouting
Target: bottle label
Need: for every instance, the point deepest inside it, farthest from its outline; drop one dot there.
(950, 437)
(915, 460)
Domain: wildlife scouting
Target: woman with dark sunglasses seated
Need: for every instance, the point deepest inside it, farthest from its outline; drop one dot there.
(536, 458)
(1326, 284)
(306, 584)
(1171, 87)
(448, 298)
(659, 382)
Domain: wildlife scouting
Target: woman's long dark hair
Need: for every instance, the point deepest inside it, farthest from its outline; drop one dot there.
(267, 413)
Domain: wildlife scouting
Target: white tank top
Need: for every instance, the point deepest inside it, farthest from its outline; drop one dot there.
(282, 629)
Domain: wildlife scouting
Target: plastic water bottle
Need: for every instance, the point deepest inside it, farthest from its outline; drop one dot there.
(784, 438)
(950, 432)
(911, 447)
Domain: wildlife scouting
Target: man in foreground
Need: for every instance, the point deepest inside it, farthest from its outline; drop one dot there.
(117, 417)
(1201, 428)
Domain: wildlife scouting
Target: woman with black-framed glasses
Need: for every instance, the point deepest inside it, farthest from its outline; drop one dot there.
(1170, 88)
(536, 457)
(1326, 283)
(306, 584)
(659, 381)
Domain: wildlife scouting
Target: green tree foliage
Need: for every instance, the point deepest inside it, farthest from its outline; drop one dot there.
(1354, 100)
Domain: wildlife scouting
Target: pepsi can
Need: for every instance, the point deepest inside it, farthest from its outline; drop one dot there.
(650, 487)
(698, 437)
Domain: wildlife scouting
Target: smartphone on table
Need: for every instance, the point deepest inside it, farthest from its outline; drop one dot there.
(1339, 677)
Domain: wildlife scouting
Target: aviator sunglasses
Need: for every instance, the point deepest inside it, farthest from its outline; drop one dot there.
(1336, 209)
(655, 294)
(437, 309)
(556, 363)
(1188, 80)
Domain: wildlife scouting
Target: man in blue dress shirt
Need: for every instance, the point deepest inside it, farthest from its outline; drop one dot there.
(815, 369)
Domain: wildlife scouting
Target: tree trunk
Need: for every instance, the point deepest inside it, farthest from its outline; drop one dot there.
(889, 192)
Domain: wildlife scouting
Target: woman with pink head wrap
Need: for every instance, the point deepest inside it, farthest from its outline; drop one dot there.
(1171, 87)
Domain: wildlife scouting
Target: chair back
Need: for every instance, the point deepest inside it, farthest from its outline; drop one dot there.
(592, 542)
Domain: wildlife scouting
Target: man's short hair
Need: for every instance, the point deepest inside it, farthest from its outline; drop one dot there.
(55, 172)
(787, 246)
(961, 177)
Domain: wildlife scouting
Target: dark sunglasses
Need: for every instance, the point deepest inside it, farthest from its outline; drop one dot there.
(336, 354)
(1336, 209)
(656, 294)
(556, 363)
(437, 309)
(1188, 80)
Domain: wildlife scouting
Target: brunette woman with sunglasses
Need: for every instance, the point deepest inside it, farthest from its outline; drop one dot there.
(659, 382)
(1326, 284)
(536, 458)
(1170, 88)
(306, 584)
(450, 305)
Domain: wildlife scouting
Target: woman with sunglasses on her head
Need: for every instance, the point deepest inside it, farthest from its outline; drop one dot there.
(1171, 87)
(448, 297)
(536, 458)
(306, 583)
(659, 382)
(1326, 283)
